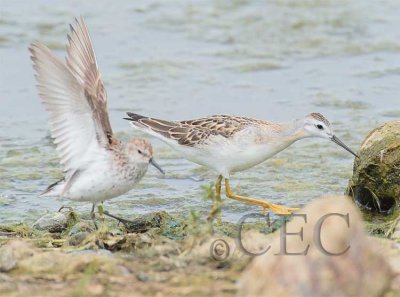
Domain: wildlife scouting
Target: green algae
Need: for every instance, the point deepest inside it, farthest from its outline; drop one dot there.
(381, 225)
(55, 45)
(289, 185)
(392, 113)
(4, 40)
(16, 230)
(6, 199)
(149, 69)
(45, 28)
(327, 100)
(257, 66)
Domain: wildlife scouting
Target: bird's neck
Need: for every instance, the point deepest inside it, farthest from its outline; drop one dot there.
(293, 131)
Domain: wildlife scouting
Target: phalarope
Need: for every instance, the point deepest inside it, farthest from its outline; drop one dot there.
(229, 144)
(96, 164)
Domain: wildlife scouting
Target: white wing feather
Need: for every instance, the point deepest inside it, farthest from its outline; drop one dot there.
(81, 60)
(75, 97)
(70, 116)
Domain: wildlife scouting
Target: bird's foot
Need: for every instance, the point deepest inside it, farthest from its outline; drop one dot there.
(278, 209)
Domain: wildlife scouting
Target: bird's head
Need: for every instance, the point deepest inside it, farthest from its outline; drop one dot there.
(141, 151)
(316, 125)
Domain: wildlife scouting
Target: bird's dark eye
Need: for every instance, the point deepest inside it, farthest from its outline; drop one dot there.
(320, 127)
(139, 151)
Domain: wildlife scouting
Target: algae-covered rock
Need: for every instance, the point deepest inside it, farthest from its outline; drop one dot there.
(78, 238)
(332, 257)
(375, 184)
(81, 226)
(52, 222)
(79, 232)
(146, 222)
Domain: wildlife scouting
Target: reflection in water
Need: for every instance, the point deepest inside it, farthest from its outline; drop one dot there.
(275, 60)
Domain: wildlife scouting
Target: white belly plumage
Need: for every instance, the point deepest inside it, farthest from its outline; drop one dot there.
(101, 181)
(93, 187)
(227, 158)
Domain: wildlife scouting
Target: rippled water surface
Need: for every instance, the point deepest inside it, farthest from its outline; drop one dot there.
(275, 60)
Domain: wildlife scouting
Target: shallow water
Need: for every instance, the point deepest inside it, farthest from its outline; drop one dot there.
(274, 60)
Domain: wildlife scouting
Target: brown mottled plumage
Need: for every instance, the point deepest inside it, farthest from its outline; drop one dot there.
(197, 131)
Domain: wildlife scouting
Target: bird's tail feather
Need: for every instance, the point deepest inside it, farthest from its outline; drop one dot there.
(54, 189)
(164, 130)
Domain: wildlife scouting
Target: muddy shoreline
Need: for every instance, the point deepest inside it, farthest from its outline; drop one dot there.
(165, 255)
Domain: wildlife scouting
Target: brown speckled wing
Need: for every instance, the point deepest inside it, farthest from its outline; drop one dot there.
(197, 131)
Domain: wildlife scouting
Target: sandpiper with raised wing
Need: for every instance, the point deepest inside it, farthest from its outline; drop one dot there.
(97, 166)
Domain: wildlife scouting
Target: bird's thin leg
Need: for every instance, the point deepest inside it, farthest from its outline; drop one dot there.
(93, 216)
(265, 205)
(65, 207)
(216, 208)
(121, 220)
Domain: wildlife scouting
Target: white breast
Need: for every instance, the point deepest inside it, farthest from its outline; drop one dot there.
(103, 180)
(239, 153)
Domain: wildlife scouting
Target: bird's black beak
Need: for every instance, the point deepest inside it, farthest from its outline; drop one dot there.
(339, 142)
(154, 163)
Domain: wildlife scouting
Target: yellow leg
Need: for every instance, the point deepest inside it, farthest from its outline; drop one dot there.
(216, 208)
(273, 207)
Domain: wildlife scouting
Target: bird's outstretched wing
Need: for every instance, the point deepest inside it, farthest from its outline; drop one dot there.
(81, 60)
(74, 97)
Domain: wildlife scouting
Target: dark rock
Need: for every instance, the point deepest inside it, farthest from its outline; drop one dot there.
(147, 222)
